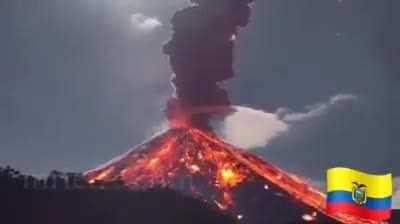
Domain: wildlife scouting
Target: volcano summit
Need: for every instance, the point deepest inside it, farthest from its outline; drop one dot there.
(197, 163)
(189, 157)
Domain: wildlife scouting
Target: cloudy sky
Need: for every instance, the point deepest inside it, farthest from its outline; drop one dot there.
(81, 81)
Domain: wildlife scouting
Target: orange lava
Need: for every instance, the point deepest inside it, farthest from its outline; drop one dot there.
(193, 152)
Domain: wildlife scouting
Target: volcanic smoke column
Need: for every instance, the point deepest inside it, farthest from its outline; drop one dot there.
(201, 57)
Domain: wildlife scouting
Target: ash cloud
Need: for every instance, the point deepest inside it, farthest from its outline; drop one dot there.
(201, 56)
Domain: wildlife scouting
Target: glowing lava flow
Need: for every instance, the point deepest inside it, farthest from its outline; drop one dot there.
(214, 171)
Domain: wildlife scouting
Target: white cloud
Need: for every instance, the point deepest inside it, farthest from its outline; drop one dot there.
(249, 128)
(314, 110)
(143, 24)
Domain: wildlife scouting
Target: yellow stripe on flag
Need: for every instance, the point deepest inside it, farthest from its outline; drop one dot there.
(341, 179)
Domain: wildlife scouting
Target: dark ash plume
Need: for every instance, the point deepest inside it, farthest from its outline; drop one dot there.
(201, 56)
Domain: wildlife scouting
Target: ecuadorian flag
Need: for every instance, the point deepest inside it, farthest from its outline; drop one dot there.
(359, 194)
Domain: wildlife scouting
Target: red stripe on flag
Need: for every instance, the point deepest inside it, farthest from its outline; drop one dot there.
(356, 210)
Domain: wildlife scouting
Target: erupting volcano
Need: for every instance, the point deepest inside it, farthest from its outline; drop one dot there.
(197, 163)
(189, 157)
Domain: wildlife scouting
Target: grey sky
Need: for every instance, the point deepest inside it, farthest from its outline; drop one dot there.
(79, 84)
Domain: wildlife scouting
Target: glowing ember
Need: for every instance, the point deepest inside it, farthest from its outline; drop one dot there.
(229, 177)
(194, 168)
(198, 163)
(103, 175)
(308, 217)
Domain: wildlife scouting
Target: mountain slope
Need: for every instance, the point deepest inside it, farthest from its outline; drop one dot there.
(197, 163)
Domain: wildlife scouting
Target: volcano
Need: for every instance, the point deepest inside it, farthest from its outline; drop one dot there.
(189, 157)
(197, 163)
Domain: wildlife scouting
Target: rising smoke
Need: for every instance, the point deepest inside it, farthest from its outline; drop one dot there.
(201, 57)
(248, 128)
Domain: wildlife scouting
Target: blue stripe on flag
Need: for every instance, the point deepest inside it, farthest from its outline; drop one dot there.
(372, 203)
